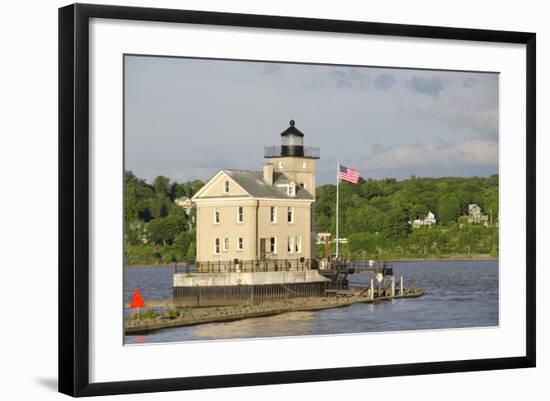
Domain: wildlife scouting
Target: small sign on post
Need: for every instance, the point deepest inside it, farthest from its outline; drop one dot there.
(137, 301)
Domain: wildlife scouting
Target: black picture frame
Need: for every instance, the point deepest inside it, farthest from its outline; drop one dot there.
(74, 198)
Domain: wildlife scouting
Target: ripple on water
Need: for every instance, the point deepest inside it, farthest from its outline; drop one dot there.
(458, 294)
(285, 324)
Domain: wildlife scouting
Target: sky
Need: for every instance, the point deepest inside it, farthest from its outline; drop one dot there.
(188, 118)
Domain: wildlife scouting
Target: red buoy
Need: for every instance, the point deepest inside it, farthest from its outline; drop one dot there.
(137, 300)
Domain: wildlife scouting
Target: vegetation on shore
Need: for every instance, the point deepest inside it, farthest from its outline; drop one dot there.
(374, 217)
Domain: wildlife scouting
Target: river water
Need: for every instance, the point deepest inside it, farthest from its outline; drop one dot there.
(458, 294)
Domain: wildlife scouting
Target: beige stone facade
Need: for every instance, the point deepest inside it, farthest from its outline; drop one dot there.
(234, 224)
(300, 170)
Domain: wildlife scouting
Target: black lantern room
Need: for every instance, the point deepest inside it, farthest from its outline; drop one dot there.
(292, 141)
(292, 145)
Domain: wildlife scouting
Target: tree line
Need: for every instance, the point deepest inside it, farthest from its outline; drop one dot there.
(156, 229)
(374, 217)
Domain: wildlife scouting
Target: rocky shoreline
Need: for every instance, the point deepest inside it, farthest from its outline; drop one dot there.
(178, 316)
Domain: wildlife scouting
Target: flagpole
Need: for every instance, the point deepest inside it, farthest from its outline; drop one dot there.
(337, 203)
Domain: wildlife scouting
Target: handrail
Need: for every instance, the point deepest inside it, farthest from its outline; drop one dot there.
(248, 266)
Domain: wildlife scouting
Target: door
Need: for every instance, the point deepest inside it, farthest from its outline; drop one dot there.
(262, 248)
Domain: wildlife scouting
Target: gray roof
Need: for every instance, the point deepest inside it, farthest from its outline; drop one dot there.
(280, 178)
(253, 183)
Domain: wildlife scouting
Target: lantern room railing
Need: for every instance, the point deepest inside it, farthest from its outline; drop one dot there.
(277, 151)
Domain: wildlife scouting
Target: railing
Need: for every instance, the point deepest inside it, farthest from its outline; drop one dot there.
(249, 266)
(186, 268)
(277, 151)
(377, 266)
(272, 265)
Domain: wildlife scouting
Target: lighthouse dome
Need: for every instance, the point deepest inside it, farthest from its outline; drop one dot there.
(292, 130)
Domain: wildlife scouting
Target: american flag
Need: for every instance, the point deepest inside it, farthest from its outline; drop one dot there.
(348, 174)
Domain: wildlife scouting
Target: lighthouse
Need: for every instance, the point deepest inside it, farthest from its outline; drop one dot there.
(293, 160)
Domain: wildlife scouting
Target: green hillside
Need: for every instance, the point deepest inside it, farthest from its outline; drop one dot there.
(374, 216)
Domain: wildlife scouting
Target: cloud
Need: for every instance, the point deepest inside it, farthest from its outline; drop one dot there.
(427, 86)
(384, 82)
(472, 152)
(177, 108)
(350, 78)
(483, 122)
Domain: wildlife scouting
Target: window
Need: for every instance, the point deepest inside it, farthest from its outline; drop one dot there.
(216, 216)
(290, 215)
(290, 246)
(298, 244)
(240, 244)
(302, 185)
(273, 214)
(226, 187)
(217, 247)
(273, 245)
(226, 244)
(240, 213)
(291, 190)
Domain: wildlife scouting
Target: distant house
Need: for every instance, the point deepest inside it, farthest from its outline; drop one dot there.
(185, 203)
(475, 216)
(426, 221)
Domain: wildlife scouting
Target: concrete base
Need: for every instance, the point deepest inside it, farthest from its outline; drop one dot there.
(209, 289)
(256, 278)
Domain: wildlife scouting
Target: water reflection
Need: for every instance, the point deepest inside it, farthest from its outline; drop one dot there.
(287, 324)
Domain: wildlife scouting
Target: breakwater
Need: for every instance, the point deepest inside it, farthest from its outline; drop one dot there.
(177, 317)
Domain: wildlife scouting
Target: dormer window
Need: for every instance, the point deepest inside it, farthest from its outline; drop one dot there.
(291, 190)
(226, 187)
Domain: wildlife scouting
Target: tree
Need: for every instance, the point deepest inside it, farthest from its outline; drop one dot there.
(182, 242)
(192, 251)
(448, 209)
(165, 229)
(161, 184)
(169, 255)
(395, 224)
(159, 206)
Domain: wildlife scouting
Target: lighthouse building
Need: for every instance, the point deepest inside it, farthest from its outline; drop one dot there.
(267, 215)
(256, 229)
